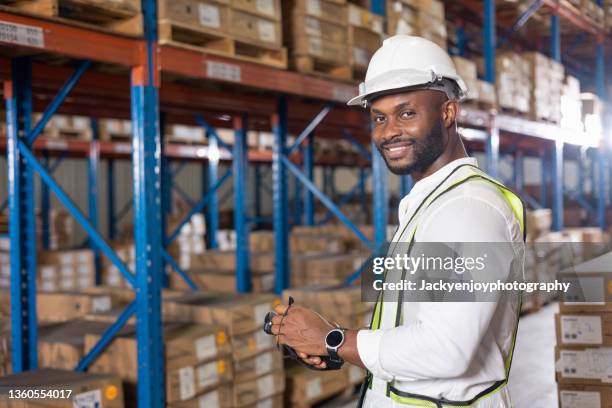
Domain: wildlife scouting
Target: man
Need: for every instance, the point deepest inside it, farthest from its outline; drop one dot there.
(426, 354)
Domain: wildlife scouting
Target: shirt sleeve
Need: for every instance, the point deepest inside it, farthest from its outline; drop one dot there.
(443, 339)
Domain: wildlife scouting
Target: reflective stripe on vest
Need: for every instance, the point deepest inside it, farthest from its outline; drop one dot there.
(518, 209)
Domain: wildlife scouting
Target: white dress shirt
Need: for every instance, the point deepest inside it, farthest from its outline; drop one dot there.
(446, 350)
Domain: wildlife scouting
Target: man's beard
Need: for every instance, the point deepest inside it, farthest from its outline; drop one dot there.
(425, 152)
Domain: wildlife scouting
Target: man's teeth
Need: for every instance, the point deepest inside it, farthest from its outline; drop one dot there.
(395, 149)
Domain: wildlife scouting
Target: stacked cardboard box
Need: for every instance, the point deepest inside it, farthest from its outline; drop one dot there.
(61, 230)
(316, 31)
(111, 276)
(66, 126)
(608, 13)
(513, 82)
(184, 134)
(571, 105)
(547, 77)
(197, 359)
(5, 345)
(56, 270)
(306, 387)
(322, 268)
(54, 307)
(592, 113)
(365, 32)
(425, 18)
(190, 240)
(259, 376)
(114, 129)
(79, 389)
(241, 28)
(594, 11)
(584, 340)
(479, 91)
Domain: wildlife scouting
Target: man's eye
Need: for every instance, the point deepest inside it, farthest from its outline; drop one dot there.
(406, 114)
(379, 119)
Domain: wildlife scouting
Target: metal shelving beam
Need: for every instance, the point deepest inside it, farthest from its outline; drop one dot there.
(309, 171)
(280, 199)
(557, 186)
(240, 168)
(92, 193)
(22, 223)
(45, 207)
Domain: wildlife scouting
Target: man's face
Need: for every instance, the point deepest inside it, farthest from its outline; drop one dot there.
(408, 130)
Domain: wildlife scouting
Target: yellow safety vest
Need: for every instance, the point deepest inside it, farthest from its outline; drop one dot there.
(518, 208)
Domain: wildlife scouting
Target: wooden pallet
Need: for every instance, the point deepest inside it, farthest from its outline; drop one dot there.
(122, 17)
(212, 42)
(309, 64)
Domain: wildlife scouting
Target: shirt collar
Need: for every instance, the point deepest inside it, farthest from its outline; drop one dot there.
(428, 183)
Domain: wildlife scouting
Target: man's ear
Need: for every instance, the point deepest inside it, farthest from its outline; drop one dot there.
(450, 111)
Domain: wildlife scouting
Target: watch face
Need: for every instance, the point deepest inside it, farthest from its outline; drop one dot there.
(334, 338)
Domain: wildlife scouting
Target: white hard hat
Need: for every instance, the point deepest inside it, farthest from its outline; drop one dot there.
(407, 61)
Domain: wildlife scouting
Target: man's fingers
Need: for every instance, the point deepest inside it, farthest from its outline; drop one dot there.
(322, 365)
(277, 319)
(314, 360)
(276, 329)
(303, 356)
(280, 308)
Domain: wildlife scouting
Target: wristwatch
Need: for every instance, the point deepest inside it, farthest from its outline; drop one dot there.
(333, 341)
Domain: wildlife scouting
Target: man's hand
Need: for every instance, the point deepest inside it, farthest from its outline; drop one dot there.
(303, 330)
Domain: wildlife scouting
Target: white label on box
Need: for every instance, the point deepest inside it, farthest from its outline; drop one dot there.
(84, 282)
(588, 364)
(209, 400)
(46, 271)
(267, 403)
(84, 270)
(263, 363)
(377, 26)
(186, 385)
(89, 399)
(209, 15)
(263, 340)
(67, 283)
(206, 347)
(266, 31)
(47, 286)
(313, 388)
(580, 399)
(267, 282)
(265, 386)
(354, 16)
(67, 271)
(265, 6)
(260, 311)
(397, 6)
(404, 28)
(208, 375)
(66, 258)
(224, 71)
(355, 374)
(314, 46)
(313, 7)
(313, 27)
(22, 34)
(114, 279)
(100, 304)
(581, 329)
(361, 57)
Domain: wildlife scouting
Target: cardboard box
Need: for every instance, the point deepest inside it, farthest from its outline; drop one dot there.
(265, 8)
(363, 43)
(189, 381)
(594, 278)
(539, 221)
(261, 388)
(275, 401)
(583, 365)
(364, 18)
(255, 28)
(322, 9)
(465, 68)
(239, 314)
(307, 387)
(62, 345)
(248, 345)
(584, 396)
(61, 307)
(207, 14)
(86, 389)
(185, 345)
(225, 260)
(224, 282)
(262, 363)
(217, 398)
(584, 329)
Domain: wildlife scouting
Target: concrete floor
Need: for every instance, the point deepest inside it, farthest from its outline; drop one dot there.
(532, 378)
